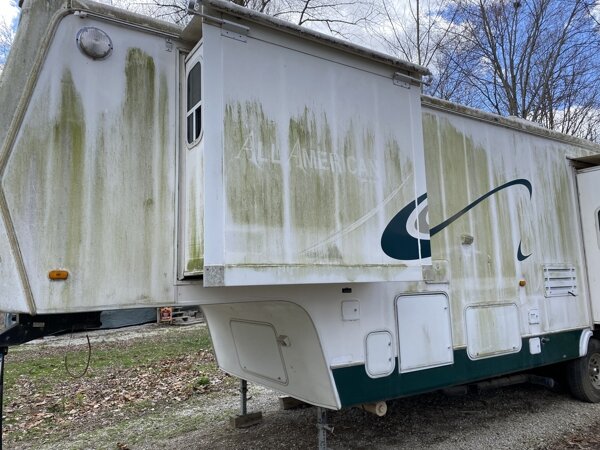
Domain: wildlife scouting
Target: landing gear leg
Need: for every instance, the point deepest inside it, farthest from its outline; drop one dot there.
(243, 397)
(244, 419)
(322, 427)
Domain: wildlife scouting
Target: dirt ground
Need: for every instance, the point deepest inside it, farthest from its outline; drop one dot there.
(523, 417)
(169, 404)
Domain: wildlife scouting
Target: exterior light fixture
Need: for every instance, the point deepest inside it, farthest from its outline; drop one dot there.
(94, 43)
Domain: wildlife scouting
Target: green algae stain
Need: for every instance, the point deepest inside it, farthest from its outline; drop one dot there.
(399, 172)
(460, 171)
(163, 128)
(164, 199)
(432, 149)
(312, 179)
(254, 176)
(100, 200)
(140, 91)
(139, 126)
(99, 225)
(45, 184)
(194, 244)
(68, 139)
(397, 167)
(565, 214)
(139, 118)
(329, 173)
(356, 175)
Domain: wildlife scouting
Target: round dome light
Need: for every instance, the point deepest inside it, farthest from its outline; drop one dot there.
(94, 42)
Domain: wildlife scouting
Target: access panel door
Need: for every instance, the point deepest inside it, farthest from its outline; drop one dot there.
(424, 331)
(588, 182)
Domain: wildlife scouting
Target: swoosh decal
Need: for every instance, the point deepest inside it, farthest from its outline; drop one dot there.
(447, 222)
(398, 243)
(520, 255)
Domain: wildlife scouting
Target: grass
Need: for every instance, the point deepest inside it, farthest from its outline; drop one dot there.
(177, 360)
(145, 427)
(135, 352)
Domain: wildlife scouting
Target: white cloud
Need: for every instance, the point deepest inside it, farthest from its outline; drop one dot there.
(8, 11)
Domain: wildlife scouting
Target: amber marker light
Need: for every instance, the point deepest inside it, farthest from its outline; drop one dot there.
(522, 283)
(58, 274)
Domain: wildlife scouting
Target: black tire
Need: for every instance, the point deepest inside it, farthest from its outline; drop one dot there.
(583, 374)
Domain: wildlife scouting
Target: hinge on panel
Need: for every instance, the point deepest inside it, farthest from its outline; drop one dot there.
(403, 80)
(229, 29)
(234, 31)
(436, 272)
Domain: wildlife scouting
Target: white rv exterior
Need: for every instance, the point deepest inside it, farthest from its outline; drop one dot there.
(349, 240)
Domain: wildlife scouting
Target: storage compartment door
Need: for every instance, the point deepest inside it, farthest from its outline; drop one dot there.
(424, 333)
(492, 330)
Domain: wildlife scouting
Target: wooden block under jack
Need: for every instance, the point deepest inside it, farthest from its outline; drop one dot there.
(291, 403)
(246, 420)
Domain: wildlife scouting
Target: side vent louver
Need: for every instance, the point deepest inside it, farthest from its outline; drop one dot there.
(560, 281)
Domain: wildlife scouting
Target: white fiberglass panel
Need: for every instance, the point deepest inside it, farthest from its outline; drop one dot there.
(320, 151)
(380, 360)
(492, 330)
(267, 362)
(12, 296)
(90, 179)
(263, 335)
(424, 332)
(502, 204)
(588, 183)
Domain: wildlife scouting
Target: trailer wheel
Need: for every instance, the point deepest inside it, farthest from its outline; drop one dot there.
(583, 374)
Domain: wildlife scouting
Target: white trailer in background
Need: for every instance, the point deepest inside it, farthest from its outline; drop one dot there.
(349, 240)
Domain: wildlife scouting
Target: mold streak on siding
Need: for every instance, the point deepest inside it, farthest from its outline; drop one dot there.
(465, 160)
(90, 180)
(333, 183)
(317, 159)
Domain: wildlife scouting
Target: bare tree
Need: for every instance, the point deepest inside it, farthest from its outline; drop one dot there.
(338, 17)
(176, 11)
(6, 39)
(535, 59)
(170, 10)
(418, 31)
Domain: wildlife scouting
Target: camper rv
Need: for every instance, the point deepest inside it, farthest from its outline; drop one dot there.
(350, 241)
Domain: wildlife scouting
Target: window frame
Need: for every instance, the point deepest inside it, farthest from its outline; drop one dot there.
(197, 108)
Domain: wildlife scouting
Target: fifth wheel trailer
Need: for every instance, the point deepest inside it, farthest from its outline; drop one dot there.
(349, 240)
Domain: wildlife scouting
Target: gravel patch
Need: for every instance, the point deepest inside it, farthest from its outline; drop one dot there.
(110, 335)
(523, 417)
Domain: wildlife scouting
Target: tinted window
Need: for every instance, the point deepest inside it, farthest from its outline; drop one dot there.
(194, 104)
(194, 93)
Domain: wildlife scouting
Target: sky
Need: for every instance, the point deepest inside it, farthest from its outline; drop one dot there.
(8, 11)
(9, 14)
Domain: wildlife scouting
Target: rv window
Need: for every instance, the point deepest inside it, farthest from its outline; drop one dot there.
(194, 104)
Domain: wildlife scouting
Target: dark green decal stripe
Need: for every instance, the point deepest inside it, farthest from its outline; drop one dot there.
(445, 223)
(398, 243)
(355, 386)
